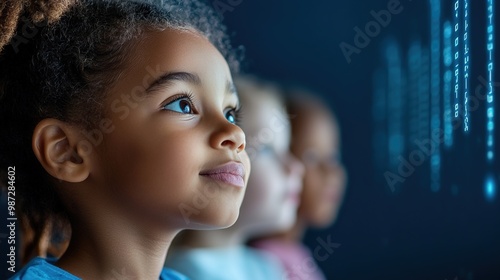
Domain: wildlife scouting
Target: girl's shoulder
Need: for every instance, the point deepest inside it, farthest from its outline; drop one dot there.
(41, 269)
(169, 274)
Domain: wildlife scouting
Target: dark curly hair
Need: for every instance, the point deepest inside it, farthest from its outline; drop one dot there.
(57, 58)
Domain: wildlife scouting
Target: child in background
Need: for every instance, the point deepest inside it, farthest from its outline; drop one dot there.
(115, 115)
(316, 142)
(270, 202)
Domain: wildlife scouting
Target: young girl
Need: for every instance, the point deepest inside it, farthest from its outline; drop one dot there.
(270, 203)
(316, 141)
(117, 117)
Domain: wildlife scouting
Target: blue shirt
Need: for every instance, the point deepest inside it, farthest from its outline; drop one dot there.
(42, 269)
(231, 263)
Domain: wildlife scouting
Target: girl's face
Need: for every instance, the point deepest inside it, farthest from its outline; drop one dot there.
(272, 196)
(171, 153)
(317, 143)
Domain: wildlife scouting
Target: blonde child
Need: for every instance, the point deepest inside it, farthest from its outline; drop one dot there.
(316, 142)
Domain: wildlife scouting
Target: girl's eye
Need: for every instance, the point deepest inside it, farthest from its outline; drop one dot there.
(231, 116)
(181, 105)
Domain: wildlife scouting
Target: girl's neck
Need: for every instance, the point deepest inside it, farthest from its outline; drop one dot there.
(109, 248)
(236, 236)
(224, 238)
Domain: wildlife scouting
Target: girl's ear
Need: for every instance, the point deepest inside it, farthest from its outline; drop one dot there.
(59, 147)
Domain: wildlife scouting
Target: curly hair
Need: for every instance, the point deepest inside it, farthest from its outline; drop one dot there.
(74, 52)
(39, 11)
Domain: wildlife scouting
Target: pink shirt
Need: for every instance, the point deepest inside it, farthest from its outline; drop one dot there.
(295, 257)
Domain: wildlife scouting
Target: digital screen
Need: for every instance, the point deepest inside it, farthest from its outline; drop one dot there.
(434, 103)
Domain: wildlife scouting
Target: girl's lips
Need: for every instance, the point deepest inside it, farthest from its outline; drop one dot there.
(232, 173)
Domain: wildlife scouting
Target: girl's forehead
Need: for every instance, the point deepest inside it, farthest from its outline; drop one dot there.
(180, 41)
(176, 49)
(159, 53)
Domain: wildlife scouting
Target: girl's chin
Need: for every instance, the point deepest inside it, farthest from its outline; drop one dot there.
(214, 224)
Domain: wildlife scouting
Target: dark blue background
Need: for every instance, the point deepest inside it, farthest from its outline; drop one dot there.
(412, 233)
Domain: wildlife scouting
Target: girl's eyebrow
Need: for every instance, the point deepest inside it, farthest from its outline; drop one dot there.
(166, 79)
(231, 91)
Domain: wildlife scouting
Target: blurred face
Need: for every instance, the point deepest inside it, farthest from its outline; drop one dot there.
(272, 196)
(316, 141)
(174, 157)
